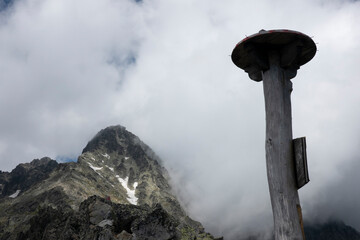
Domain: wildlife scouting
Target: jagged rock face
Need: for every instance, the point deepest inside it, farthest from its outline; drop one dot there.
(25, 175)
(115, 165)
(98, 218)
(126, 162)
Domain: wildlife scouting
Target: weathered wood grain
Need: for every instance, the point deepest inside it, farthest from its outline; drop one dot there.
(279, 151)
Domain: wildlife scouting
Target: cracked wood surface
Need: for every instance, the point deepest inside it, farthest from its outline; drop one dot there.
(279, 152)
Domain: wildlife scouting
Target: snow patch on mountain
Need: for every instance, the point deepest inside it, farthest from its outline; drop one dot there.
(14, 195)
(94, 168)
(131, 193)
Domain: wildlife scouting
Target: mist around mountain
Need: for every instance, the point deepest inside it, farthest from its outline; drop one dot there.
(117, 189)
(330, 230)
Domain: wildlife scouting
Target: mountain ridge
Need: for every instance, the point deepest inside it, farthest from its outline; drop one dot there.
(116, 166)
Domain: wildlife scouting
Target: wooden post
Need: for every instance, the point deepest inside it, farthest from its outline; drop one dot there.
(274, 57)
(279, 151)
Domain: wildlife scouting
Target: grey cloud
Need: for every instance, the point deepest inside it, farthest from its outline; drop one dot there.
(339, 199)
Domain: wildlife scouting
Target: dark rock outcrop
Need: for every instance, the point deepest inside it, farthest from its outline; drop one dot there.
(25, 175)
(98, 218)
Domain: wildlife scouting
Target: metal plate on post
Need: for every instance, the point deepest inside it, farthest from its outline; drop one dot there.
(302, 174)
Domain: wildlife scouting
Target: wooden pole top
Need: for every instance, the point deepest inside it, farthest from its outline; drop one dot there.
(251, 53)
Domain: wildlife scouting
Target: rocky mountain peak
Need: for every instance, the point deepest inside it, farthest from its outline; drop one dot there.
(110, 138)
(116, 167)
(126, 163)
(116, 141)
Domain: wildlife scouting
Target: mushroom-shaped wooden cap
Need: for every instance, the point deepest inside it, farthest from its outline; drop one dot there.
(295, 49)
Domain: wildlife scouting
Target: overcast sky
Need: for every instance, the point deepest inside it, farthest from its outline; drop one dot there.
(163, 70)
